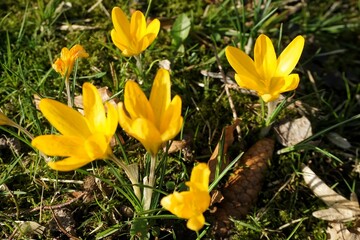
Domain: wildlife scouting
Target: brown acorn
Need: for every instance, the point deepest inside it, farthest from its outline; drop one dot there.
(242, 188)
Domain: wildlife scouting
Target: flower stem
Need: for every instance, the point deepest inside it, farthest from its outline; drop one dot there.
(139, 66)
(131, 173)
(150, 180)
(271, 106)
(67, 86)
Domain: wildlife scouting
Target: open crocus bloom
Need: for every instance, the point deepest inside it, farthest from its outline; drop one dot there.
(135, 36)
(64, 65)
(267, 75)
(84, 137)
(152, 121)
(193, 203)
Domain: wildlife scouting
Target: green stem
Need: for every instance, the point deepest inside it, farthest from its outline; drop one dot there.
(149, 180)
(131, 173)
(271, 106)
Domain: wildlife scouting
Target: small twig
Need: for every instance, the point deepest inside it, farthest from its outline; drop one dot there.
(231, 103)
(61, 227)
(58, 205)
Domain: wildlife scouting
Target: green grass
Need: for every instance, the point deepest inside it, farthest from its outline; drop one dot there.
(31, 39)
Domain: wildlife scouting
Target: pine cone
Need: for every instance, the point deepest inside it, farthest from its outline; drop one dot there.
(243, 186)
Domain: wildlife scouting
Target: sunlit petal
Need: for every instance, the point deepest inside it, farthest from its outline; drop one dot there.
(195, 223)
(172, 121)
(97, 146)
(121, 25)
(93, 108)
(153, 29)
(111, 120)
(269, 97)
(65, 119)
(136, 103)
(78, 51)
(264, 57)
(290, 57)
(137, 25)
(69, 164)
(249, 83)
(291, 83)
(145, 131)
(200, 175)
(241, 63)
(160, 95)
(60, 145)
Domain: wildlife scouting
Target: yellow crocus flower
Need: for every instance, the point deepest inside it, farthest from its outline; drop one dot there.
(193, 203)
(64, 65)
(133, 37)
(84, 137)
(152, 121)
(267, 75)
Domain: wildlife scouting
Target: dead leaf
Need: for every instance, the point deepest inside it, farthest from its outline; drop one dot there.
(176, 146)
(340, 209)
(228, 136)
(338, 231)
(294, 131)
(29, 229)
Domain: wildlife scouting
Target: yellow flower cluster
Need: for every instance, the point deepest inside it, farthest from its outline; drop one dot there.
(152, 121)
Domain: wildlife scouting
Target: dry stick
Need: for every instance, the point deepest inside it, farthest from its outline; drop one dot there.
(231, 103)
(58, 205)
(61, 227)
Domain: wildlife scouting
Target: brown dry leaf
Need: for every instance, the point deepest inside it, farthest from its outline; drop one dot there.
(37, 99)
(228, 140)
(176, 146)
(294, 131)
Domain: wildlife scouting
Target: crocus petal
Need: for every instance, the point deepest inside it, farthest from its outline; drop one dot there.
(65, 119)
(117, 40)
(137, 25)
(59, 66)
(145, 132)
(69, 164)
(160, 95)
(195, 223)
(59, 145)
(249, 83)
(124, 121)
(264, 57)
(269, 97)
(241, 63)
(121, 25)
(65, 53)
(153, 30)
(97, 146)
(111, 120)
(179, 204)
(291, 83)
(136, 103)
(93, 108)
(200, 175)
(172, 121)
(290, 57)
(77, 51)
